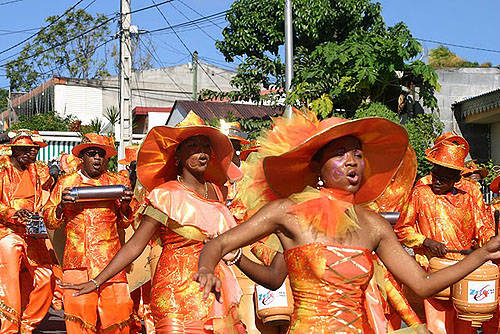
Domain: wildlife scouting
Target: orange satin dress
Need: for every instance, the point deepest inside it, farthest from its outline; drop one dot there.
(328, 283)
(177, 303)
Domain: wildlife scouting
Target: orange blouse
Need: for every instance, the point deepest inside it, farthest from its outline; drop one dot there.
(188, 219)
(91, 227)
(454, 219)
(23, 190)
(328, 283)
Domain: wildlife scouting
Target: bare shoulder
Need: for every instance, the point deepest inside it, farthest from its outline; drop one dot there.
(373, 222)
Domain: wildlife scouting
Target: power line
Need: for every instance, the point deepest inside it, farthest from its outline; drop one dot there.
(12, 32)
(149, 7)
(33, 35)
(457, 45)
(61, 43)
(185, 46)
(190, 23)
(185, 16)
(9, 2)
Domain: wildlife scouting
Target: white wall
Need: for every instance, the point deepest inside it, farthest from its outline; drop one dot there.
(157, 119)
(83, 102)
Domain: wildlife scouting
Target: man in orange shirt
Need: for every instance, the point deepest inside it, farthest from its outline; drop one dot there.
(440, 216)
(22, 181)
(92, 240)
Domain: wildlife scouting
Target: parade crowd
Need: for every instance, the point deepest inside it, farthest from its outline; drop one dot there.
(305, 197)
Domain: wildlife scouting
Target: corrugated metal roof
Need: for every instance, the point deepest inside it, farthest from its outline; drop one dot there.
(210, 110)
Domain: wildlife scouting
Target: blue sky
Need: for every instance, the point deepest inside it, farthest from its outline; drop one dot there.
(457, 22)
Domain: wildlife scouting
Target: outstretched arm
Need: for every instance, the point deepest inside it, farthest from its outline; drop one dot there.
(126, 255)
(265, 222)
(408, 271)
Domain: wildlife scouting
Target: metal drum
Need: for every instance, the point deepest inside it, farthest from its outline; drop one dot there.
(476, 296)
(97, 193)
(35, 227)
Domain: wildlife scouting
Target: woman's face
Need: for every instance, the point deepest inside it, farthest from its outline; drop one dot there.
(342, 164)
(193, 154)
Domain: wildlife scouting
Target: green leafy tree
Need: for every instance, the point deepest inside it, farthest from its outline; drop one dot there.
(4, 94)
(44, 122)
(344, 54)
(443, 57)
(49, 53)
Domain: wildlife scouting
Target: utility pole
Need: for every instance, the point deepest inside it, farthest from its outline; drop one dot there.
(125, 75)
(195, 76)
(288, 54)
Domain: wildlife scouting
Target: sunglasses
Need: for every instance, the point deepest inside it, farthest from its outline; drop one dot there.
(93, 153)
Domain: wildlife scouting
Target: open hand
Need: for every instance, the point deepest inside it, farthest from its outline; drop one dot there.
(81, 289)
(437, 248)
(208, 283)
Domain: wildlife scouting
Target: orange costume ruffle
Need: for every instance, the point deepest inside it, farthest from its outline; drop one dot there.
(176, 300)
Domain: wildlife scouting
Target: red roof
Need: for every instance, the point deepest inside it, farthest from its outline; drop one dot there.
(145, 110)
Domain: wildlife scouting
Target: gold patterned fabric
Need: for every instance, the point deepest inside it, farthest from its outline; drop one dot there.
(91, 227)
(187, 220)
(328, 283)
(453, 219)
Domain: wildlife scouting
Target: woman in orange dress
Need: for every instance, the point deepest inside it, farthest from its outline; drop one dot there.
(308, 181)
(182, 168)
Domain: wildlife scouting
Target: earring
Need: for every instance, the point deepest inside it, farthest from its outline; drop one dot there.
(320, 182)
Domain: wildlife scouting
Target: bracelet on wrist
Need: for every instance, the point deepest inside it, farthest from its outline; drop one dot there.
(236, 258)
(95, 282)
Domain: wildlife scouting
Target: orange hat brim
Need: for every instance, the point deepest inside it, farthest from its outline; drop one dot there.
(123, 162)
(242, 140)
(110, 151)
(384, 144)
(495, 185)
(155, 159)
(483, 172)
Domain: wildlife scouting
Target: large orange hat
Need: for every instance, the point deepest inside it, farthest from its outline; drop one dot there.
(233, 131)
(130, 154)
(155, 160)
(384, 145)
(25, 137)
(472, 168)
(450, 153)
(254, 146)
(495, 184)
(95, 140)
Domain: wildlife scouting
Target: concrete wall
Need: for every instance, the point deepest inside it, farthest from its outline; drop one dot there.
(86, 103)
(461, 83)
(161, 87)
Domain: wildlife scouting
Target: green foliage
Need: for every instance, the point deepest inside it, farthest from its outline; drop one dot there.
(95, 126)
(492, 173)
(344, 55)
(44, 122)
(422, 131)
(4, 94)
(77, 59)
(444, 57)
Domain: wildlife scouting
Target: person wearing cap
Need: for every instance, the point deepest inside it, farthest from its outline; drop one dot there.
(92, 240)
(22, 183)
(442, 216)
(308, 183)
(183, 169)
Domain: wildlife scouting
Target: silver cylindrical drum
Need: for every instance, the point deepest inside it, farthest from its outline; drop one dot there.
(97, 193)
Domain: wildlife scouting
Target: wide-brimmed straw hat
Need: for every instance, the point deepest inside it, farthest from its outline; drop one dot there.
(156, 157)
(25, 137)
(384, 144)
(472, 168)
(130, 154)
(95, 140)
(233, 131)
(450, 152)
